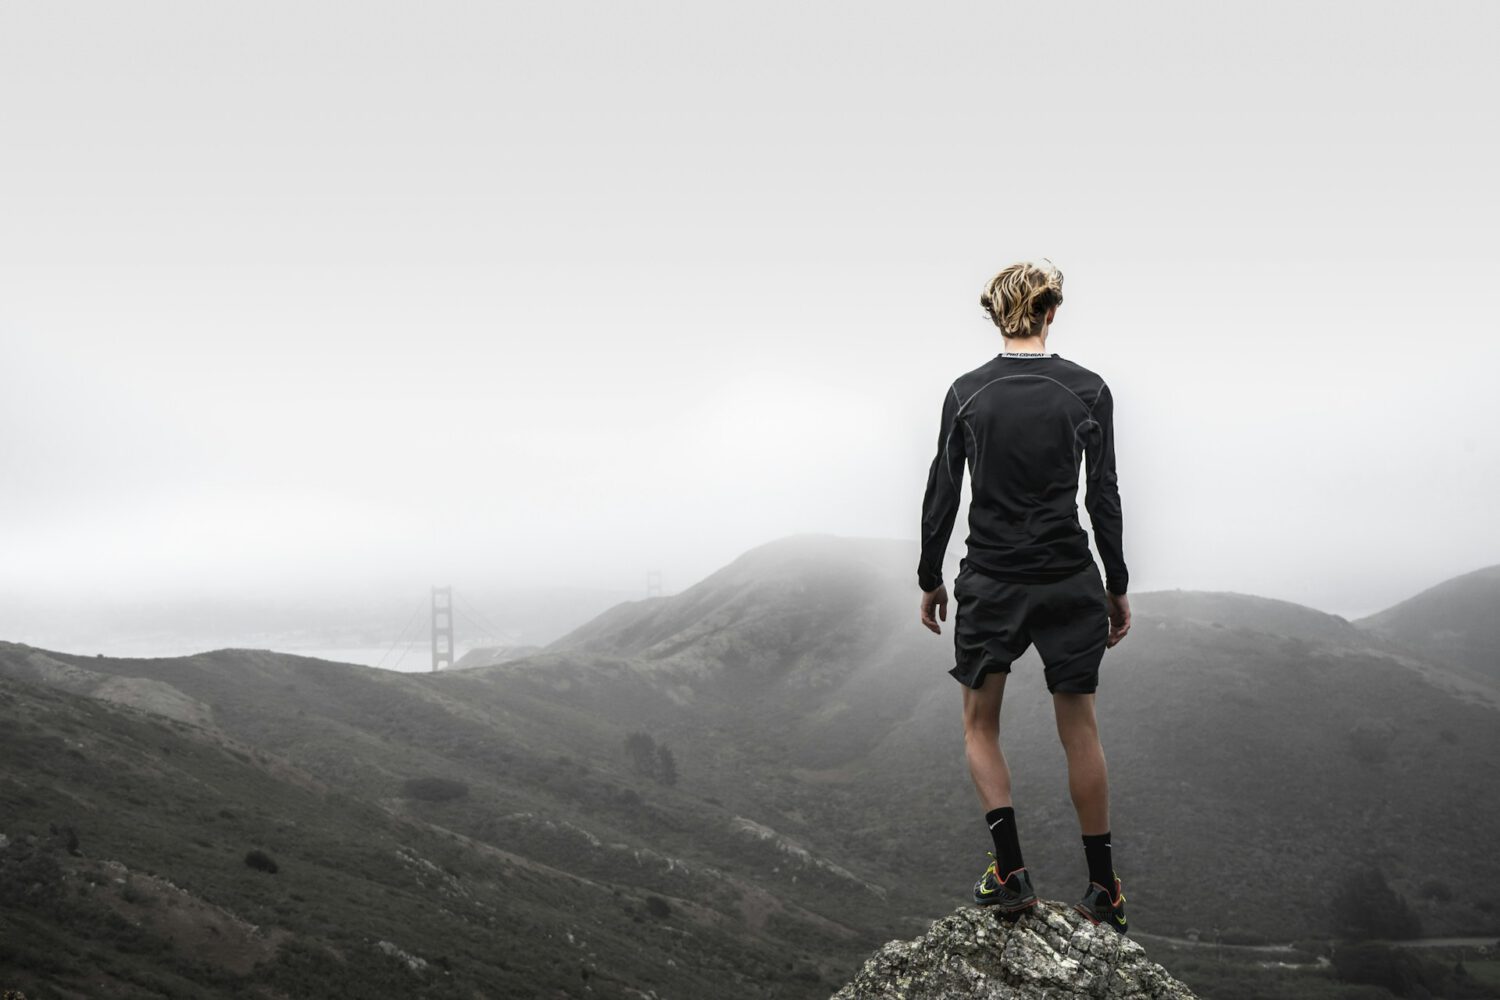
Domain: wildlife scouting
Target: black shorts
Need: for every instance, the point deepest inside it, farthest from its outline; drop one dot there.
(995, 621)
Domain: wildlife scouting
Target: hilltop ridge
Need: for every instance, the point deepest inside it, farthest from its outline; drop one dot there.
(1454, 621)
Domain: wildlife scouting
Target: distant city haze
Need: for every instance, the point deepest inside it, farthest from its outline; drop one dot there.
(313, 306)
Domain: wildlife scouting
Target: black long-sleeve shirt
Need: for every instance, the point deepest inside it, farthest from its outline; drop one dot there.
(1024, 423)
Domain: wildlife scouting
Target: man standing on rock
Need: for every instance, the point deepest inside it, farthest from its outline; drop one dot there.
(1024, 422)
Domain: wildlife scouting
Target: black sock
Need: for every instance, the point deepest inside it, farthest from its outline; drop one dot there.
(1002, 824)
(1101, 866)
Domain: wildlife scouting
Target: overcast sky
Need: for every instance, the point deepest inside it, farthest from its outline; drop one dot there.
(302, 297)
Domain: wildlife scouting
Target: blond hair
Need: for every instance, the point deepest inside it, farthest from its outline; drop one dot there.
(1017, 299)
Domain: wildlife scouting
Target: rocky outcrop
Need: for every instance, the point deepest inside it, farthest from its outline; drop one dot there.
(1051, 953)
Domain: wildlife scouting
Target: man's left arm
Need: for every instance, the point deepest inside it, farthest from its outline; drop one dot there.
(1102, 499)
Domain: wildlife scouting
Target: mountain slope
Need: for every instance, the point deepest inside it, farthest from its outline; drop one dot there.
(1455, 622)
(609, 855)
(805, 642)
(800, 672)
(364, 900)
(819, 804)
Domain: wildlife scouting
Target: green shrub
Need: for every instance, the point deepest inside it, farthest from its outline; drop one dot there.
(260, 861)
(666, 765)
(642, 750)
(34, 879)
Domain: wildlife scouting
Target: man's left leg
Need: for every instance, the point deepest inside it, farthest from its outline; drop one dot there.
(1088, 783)
(1005, 883)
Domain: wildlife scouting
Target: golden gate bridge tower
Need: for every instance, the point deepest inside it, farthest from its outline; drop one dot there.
(442, 628)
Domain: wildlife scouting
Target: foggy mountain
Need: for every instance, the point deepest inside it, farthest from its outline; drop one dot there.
(1454, 622)
(738, 790)
(370, 627)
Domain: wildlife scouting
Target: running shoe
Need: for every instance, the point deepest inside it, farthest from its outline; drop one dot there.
(1012, 896)
(1099, 907)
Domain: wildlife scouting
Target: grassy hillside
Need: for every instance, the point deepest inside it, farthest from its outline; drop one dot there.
(549, 873)
(156, 898)
(759, 779)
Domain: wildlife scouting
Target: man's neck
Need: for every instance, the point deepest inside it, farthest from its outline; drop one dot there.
(1026, 345)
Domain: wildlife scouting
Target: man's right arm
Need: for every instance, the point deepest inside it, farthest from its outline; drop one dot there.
(940, 501)
(1103, 497)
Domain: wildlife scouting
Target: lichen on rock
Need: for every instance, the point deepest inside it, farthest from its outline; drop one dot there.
(1051, 952)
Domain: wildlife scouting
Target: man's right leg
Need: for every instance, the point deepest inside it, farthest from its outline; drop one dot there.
(987, 765)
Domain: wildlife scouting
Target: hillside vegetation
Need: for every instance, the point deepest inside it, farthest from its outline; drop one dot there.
(545, 874)
(740, 790)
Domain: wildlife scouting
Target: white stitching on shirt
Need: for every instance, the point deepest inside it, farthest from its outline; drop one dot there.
(1003, 378)
(948, 462)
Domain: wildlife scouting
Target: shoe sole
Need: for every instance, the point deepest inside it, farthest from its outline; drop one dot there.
(1020, 908)
(1096, 921)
